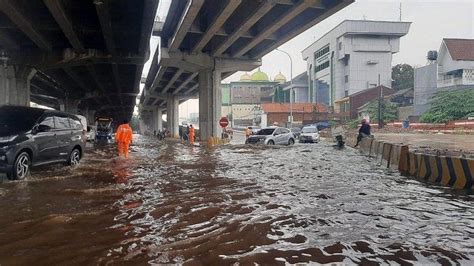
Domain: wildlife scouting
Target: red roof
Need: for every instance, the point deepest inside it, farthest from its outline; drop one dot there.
(297, 107)
(460, 49)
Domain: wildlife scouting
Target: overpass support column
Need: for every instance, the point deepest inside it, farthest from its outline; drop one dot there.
(173, 116)
(158, 118)
(15, 85)
(69, 105)
(210, 102)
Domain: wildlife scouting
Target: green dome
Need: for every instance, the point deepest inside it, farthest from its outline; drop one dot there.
(245, 77)
(259, 76)
(280, 78)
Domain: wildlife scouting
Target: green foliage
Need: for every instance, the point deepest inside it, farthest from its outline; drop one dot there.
(450, 105)
(353, 123)
(402, 76)
(389, 111)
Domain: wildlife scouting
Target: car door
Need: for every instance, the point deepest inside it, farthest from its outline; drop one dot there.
(285, 135)
(45, 140)
(278, 136)
(63, 134)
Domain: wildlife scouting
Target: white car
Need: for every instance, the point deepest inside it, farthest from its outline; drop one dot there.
(272, 136)
(309, 134)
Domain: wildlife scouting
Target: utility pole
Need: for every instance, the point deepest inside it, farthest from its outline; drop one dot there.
(380, 120)
(400, 11)
(291, 86)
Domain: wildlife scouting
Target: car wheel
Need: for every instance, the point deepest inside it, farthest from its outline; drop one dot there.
(74, 157)
(21, 168)
(271, 142)
(291, 141)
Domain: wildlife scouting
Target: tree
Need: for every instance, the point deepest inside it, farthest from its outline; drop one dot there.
(402, 77)
(389, 111)
(450, 105)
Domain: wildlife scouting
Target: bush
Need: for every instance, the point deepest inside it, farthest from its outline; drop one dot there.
(450, 105)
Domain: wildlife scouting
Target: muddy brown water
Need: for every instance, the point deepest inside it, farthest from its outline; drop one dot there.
(170, 203)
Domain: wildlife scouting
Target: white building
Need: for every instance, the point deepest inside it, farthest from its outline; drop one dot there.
(453, 69)
(351, 57)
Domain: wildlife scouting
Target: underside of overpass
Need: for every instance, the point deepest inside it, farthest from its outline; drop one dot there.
(205, 41)
(75, 55)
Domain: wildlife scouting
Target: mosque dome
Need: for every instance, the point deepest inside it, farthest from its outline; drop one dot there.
(246, 77)
(259, 76)
(280, 78)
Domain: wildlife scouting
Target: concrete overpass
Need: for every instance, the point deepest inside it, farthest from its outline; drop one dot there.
(204, 41)
(71, 55)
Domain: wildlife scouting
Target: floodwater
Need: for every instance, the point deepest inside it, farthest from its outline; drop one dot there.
(171, 203)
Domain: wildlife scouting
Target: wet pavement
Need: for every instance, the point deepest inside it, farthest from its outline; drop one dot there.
(171, 203)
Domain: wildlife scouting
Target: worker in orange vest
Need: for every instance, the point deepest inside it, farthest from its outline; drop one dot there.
(123, 136)
(191, 134)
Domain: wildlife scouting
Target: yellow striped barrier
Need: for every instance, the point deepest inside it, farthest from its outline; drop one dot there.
(457, 173)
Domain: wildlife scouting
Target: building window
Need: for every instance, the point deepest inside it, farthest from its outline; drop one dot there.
(346, 78)
(340, 46)
(321, 52)
(321, 67)
(346, 93)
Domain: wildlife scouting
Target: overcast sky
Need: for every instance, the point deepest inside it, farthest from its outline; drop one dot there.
(432, 20)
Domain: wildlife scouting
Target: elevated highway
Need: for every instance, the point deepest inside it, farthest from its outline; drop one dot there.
(75, 55)
(205, 41)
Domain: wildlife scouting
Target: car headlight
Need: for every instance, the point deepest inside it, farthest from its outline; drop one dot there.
(7, 139)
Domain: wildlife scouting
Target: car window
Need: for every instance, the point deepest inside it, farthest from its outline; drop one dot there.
(75, 123)
(278, 131)
(265, 131)
(284, 131)
(62, 122)
(309, 130)
(48, 122)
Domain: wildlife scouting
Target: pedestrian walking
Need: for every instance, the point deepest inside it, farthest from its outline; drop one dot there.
(180, 132)
(123, 137)
(191, 135)
(364, 131)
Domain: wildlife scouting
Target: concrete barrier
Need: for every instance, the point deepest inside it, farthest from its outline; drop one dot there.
(457, 173)
(399, 158)
(453, 172)
(366, 145)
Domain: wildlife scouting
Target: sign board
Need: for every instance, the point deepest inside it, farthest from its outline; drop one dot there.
(224, 122)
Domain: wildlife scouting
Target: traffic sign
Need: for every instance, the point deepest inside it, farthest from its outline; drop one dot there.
(224, 122)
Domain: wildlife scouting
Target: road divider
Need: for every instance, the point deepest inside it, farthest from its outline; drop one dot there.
(454, 172)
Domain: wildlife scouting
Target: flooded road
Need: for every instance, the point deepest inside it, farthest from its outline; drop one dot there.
(170, 203)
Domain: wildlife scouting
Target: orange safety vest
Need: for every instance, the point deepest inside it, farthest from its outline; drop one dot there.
(191, 132)
(124, 133)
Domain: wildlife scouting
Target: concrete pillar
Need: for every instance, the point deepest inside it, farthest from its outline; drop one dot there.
(15, 85)
(158, 118)
(142, 125)
(210, 102)
(69, 105)
(173, 115)
(91, 117)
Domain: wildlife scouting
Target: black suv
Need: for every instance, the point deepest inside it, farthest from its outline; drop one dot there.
(33, 136)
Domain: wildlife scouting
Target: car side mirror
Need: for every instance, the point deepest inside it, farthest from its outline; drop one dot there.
(275, 134)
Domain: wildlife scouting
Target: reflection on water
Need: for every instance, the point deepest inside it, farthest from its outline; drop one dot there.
(172, 203)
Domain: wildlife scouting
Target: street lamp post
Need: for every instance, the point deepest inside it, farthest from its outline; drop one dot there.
(291, 86)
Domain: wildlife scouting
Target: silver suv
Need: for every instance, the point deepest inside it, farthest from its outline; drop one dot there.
(272, 136)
